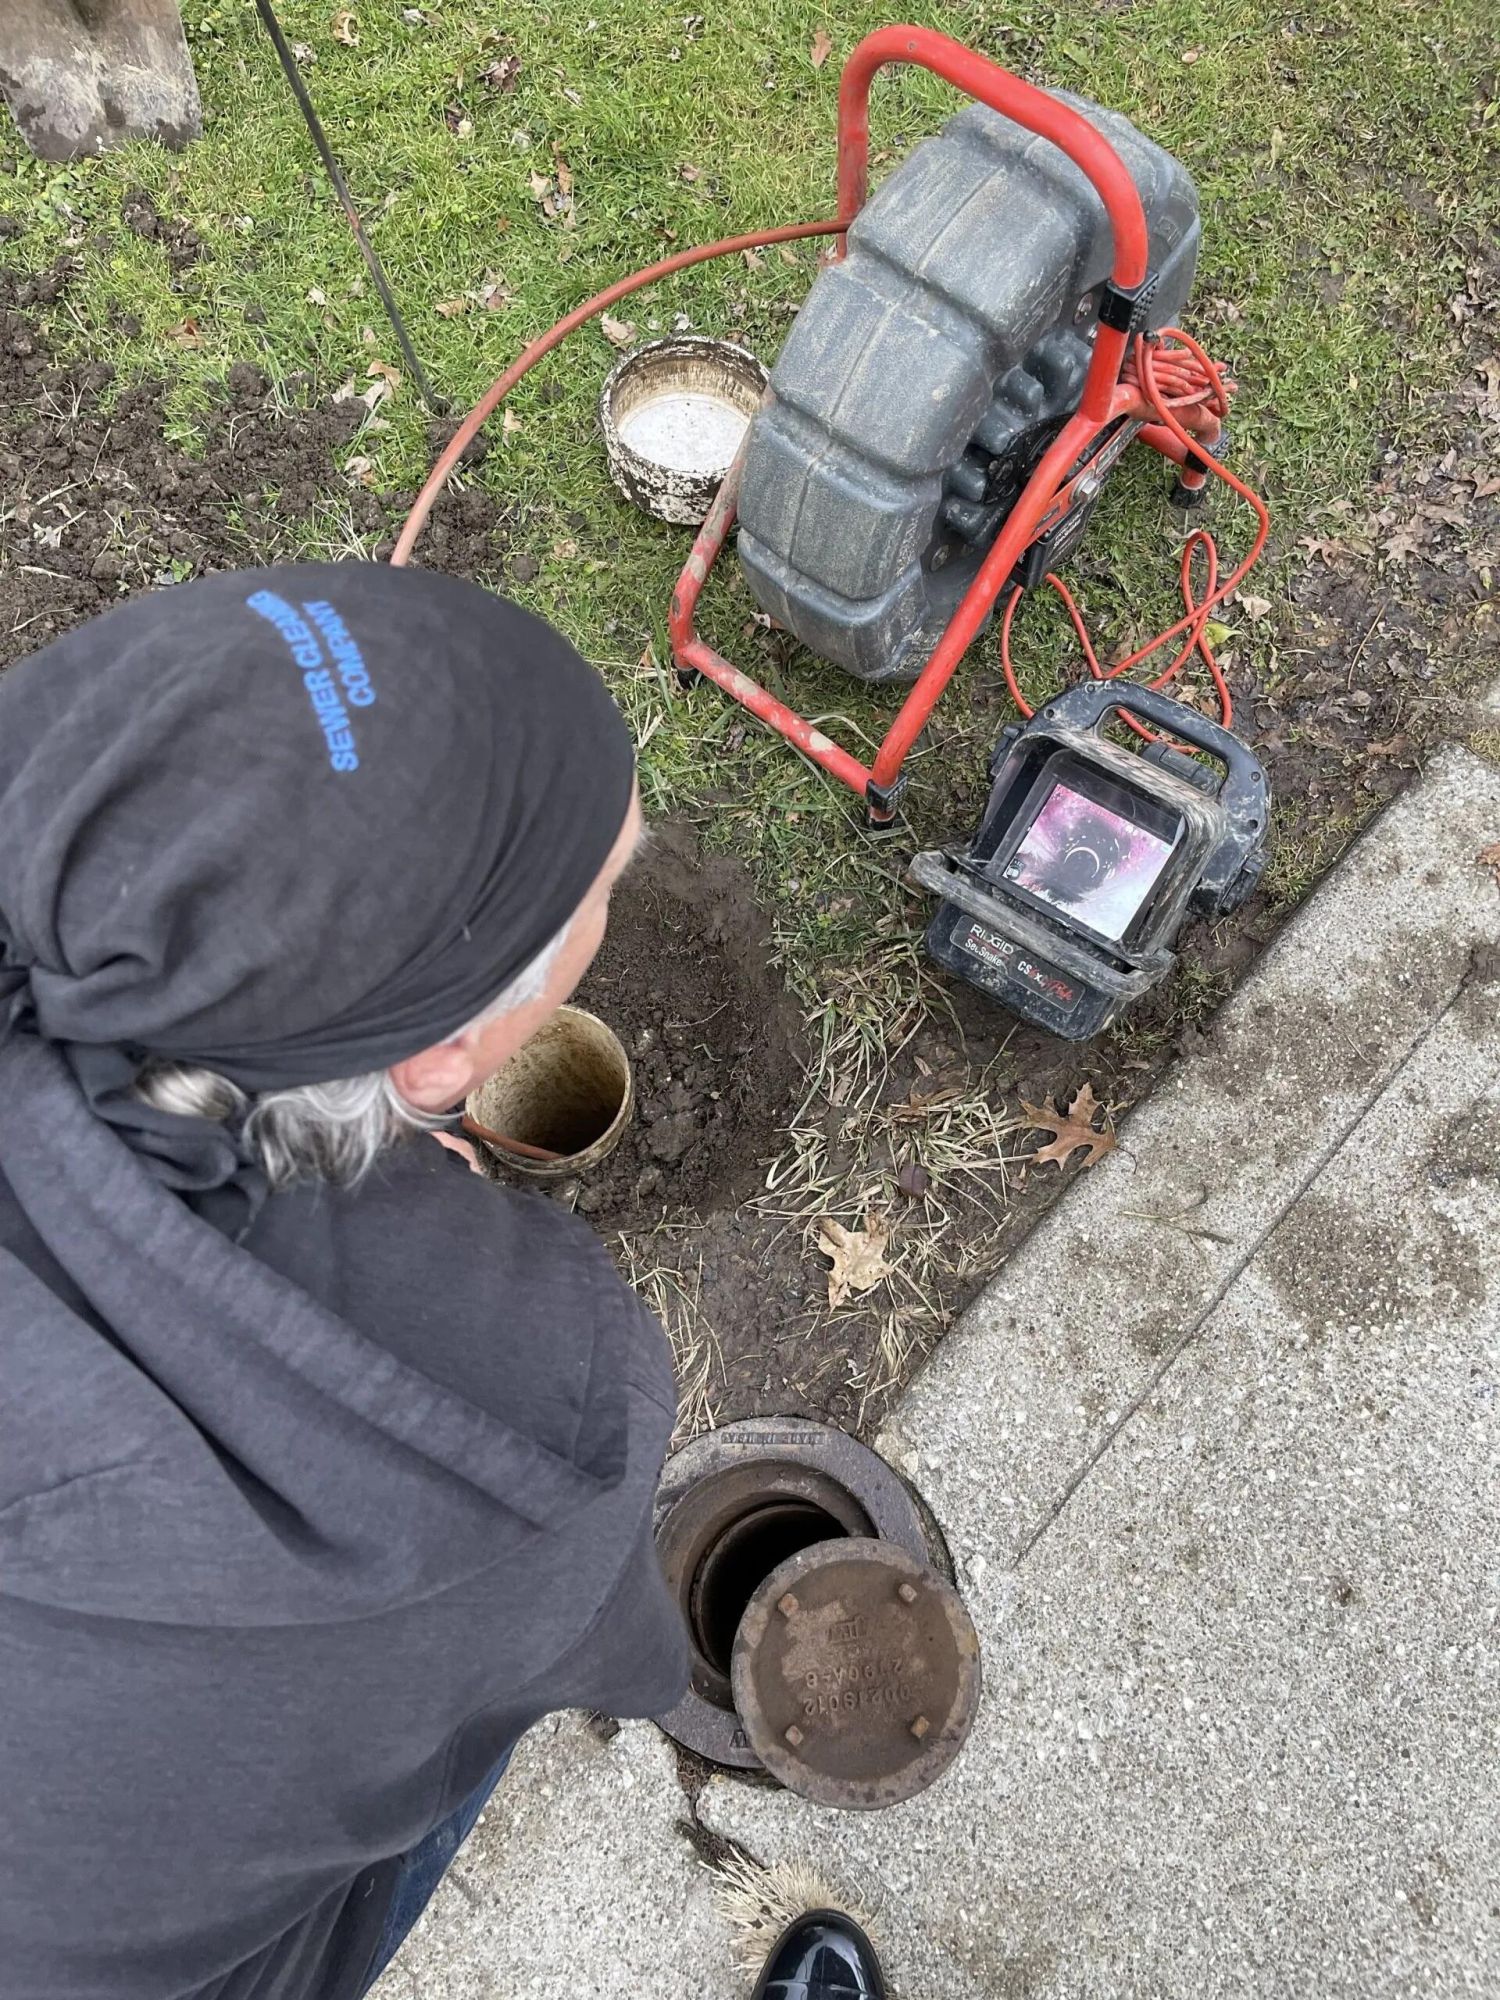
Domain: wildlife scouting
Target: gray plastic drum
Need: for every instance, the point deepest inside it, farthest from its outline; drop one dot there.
(954, 336)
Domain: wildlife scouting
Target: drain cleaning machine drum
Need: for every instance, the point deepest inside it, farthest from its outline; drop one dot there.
(927, 373)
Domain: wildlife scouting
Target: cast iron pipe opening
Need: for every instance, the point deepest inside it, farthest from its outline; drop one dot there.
(721, 1538)
(735, 1566)
(733, 1506)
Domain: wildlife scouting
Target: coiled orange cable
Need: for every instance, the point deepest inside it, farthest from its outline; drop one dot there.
(1170, 379)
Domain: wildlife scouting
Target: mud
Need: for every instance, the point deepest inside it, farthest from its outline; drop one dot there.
(685, 981)
(1336, 1274)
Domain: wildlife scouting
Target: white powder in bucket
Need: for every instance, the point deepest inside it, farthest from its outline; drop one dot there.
(685, 430)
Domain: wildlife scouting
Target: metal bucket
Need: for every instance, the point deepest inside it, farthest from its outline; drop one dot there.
(568, 1091)
(674, 413)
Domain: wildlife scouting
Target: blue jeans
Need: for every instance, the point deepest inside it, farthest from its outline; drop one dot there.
(424, 1866)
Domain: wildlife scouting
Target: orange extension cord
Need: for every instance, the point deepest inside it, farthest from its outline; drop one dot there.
(1170, 379)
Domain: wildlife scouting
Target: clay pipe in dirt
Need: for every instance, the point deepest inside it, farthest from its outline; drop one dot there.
(518, 1146)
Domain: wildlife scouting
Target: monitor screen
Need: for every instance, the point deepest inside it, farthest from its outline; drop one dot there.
(1087, 861)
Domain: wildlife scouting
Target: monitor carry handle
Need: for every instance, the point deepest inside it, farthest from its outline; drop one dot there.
(1243, 788)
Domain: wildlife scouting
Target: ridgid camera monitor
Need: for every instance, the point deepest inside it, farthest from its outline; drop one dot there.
(1090, 857)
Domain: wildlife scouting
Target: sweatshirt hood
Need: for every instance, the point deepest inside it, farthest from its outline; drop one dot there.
(204, 1444)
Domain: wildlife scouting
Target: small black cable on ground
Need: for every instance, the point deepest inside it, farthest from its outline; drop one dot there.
(305, 104)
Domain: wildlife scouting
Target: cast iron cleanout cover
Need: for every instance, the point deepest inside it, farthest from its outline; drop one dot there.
(856, 1674)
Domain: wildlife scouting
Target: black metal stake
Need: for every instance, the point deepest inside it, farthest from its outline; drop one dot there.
(293, 75)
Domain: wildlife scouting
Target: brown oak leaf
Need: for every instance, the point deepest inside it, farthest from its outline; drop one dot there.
(857, 1255)
(822, 48)
(1071, 1129)
(1403, 543)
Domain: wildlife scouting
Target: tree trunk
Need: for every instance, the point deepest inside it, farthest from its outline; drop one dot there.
(83, 75)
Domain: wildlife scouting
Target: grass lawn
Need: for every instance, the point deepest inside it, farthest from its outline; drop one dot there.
(511, 160)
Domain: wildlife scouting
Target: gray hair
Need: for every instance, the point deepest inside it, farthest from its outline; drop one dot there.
(327, 1131)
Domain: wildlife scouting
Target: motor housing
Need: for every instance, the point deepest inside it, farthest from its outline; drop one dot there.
(928, 371)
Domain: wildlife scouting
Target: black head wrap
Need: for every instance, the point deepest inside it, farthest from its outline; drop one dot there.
(292, 824)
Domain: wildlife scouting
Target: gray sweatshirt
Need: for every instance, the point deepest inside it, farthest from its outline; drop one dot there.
(296, 1536)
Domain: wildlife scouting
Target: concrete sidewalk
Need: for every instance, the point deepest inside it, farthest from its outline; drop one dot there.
(1217, 1460)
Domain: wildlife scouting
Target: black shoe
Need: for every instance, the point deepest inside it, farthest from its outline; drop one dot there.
(823, 1956)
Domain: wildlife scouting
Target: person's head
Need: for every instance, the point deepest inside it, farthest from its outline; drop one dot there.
(442, 1075)
(312, 852)
(337, 1130)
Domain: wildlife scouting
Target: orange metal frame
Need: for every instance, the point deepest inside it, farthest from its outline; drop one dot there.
(1062, 477)
(1113, 396)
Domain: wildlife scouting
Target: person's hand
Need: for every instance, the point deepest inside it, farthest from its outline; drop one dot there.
(461, 1147)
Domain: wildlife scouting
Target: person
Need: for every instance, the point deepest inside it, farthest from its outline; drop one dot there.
(823, 1955)
(326, 1466)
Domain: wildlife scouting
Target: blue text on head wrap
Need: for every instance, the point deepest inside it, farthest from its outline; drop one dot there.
(322, 691)
(358, 688)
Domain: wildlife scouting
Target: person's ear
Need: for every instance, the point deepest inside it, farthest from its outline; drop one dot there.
(434, 1079)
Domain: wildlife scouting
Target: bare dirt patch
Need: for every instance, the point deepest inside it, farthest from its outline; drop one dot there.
(685, 980)
(100, 500)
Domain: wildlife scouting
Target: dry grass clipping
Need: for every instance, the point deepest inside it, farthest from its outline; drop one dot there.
(674, 1294)
(758, 1902)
